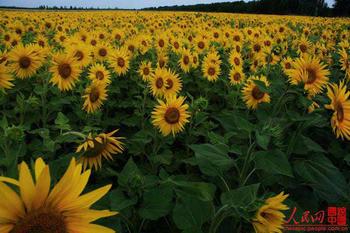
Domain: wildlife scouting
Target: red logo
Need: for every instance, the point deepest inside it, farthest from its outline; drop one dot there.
(333, 219)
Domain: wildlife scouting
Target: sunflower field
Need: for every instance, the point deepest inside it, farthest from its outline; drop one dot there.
(137, 122)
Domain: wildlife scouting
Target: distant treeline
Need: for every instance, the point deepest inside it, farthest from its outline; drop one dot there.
(279, 7)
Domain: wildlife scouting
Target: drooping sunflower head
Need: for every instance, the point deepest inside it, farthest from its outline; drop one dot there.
(94, 96)
(120, 60)
(65, 71)
(39, 209)
(270, 218)
(237, 76)
(145, 70)
(340, 104)
(170, 116)
(345, 62)
(252, 95)
(103, 146)
(25, 60)
(99, 73)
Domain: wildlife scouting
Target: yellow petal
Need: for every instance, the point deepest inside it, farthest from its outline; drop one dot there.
(27, 188)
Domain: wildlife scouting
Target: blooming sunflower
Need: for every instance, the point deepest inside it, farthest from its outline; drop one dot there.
(63, 209)
(119, 60)
(65, 70)
(173, 84)
(102, 51)
(94, 96)
(345, 62)
(185, 60)
(81, 52)
(145, 70)
(157, 82)
(211, 71)
(235, 59)
(5, 78)
(340, 104)
(236, 76)
(269, 218)
(287, 64)
(25, 60)
(252, 95)
(170, 116)
(96, 148)
(99, 73)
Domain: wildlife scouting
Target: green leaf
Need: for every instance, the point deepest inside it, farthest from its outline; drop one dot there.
(200, 190)
(213, 160)
(119, 201)
(62, 122)
(157, 202)
(240, 197)
(312, 145)
(191, 213)
(274, 162)
(261, 85)
(130, 176)
(326, 180)
(262, 140)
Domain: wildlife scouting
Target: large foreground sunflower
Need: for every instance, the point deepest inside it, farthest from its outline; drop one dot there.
(101, 146)
(63, 209)
(340, 104)
(65, 70)
(170, 116)
(5, 78)
(269, 218)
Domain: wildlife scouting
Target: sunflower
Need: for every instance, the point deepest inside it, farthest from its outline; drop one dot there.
(211, 71)
(185, 60)
(81, 52)
(287, 64)
(236, 59)
(62, 209)
(25, 60)
(345, 62)
(173, 84)
(94, 149)
(340, 104)
(200, 44)
(170, 116)
(120, 60)
(269, 218)
(303, 46)
(5, 78)
(236, 76)
(99, 73)
(252, 95)
(195, 60)
(94, 96)
(65, 70)
(145, 70)
(157, 82)
(162, 59)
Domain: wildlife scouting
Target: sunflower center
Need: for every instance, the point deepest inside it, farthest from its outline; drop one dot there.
(211, 71)
(201, 44)
(257, 94)
(144, 43)
(216, 35)
(161, 43)
(79, 55)
(131, 48)
(146, 71)
(41, 43)
(6, 37)
(97, 150)
(41, 222)
(94, 95)
(14, 42)
(159, 83)
(101, 36)
(102, 52)
(287, 66)
(311, 76)
(186, 60)
(172, 115)
(121, 62)
(18, 31)
(237, 76)
(340, 112)
(236, 61)
(93, 42)
(64, 70)
(257, 47)
(99, 75)
(169, 83)
(117, 37)
(176, 45)
(236, 38)
(195, 60)
(161, 63)
(24, 62)
(303, 48)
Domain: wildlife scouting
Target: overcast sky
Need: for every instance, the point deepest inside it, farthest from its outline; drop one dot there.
(128, 4)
